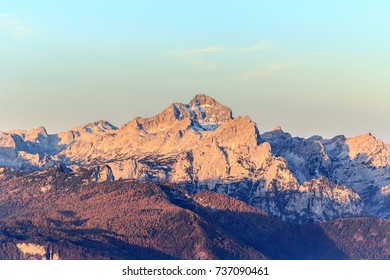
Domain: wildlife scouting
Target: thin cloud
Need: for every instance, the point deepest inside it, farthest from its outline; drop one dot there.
(203, 58)
(193, 52)
(14, 26)
(254, 75)
(21, 32)
(265, 45)
(199, 57)
(272, 70)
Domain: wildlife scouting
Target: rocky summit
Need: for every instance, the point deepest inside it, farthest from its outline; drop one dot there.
(201, 146)
(193, 182)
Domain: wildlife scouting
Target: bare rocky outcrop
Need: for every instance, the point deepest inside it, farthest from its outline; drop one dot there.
(31, 251)
(200, 145)
(102, 173)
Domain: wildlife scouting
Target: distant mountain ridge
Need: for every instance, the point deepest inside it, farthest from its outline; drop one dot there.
(201, 146)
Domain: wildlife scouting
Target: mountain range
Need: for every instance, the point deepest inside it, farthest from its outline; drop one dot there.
(193, 182)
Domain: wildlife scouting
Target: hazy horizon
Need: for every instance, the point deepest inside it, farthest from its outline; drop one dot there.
(314, 68)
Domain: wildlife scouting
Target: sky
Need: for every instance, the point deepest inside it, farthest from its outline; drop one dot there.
(313, 67)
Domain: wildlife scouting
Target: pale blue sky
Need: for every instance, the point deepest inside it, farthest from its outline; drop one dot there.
(314, 67)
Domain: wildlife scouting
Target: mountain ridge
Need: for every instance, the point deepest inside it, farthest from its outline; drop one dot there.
(201, 146)
(52, 214)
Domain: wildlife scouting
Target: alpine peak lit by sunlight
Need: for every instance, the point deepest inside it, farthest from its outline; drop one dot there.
(316, 68)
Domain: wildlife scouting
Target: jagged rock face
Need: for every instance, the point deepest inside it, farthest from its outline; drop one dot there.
(102, 174)
(361, 163)
(315, 201)
(209, 112)
(27, 150)
(201, 146)
(368, 150)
